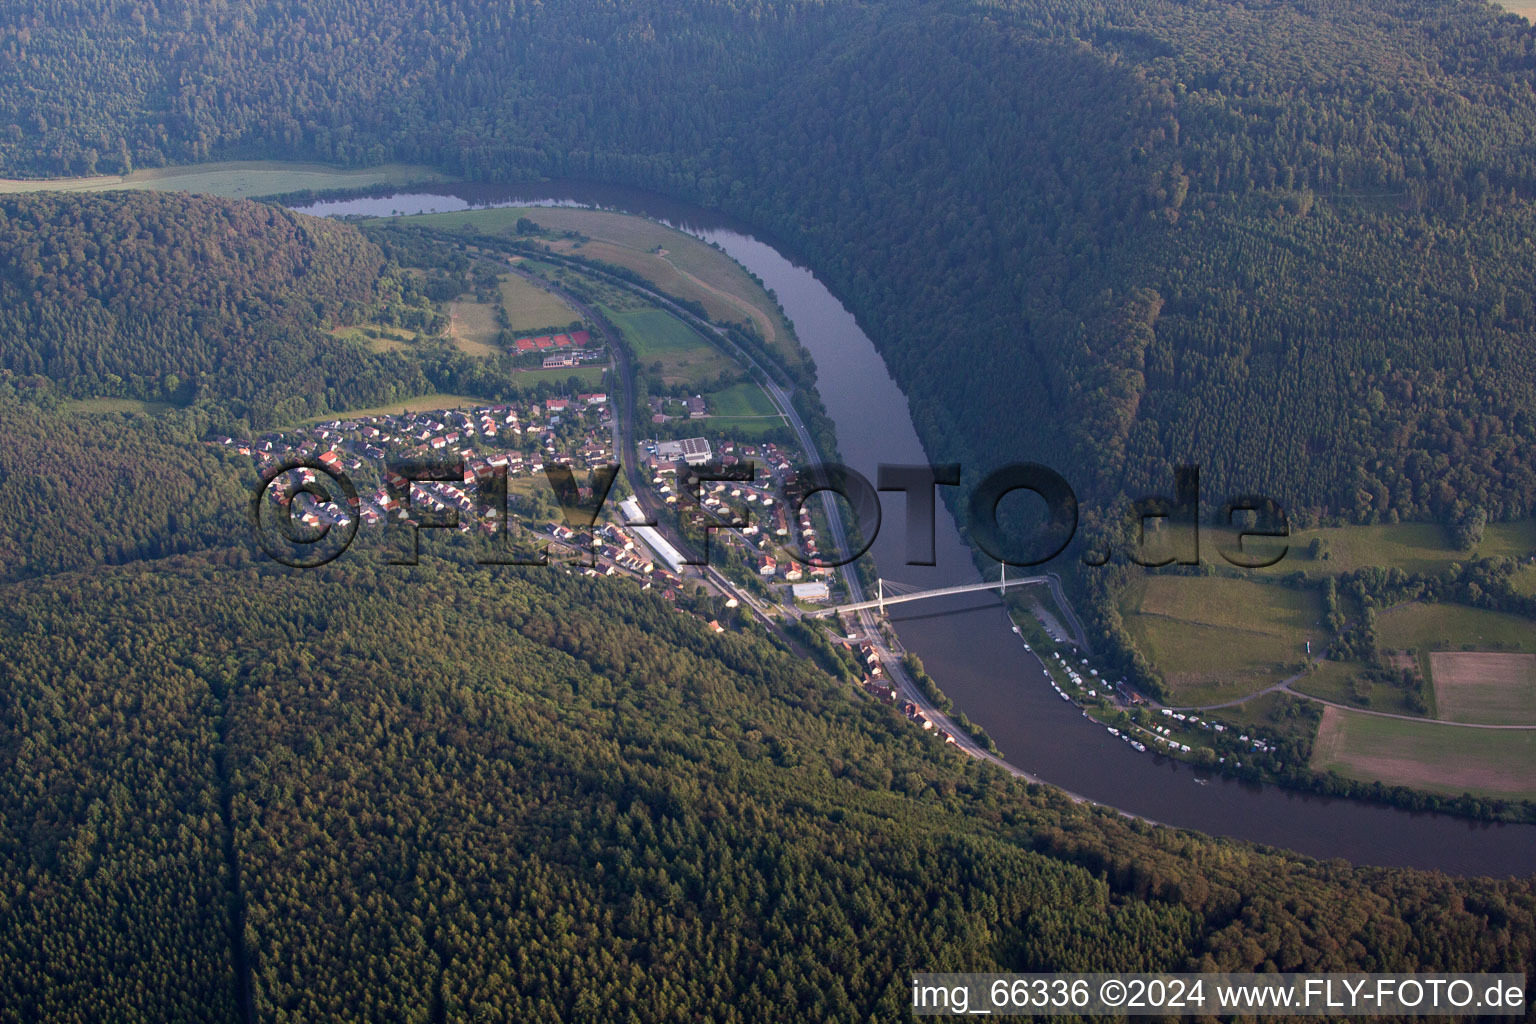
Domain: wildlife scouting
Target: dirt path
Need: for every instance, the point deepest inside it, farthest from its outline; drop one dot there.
(1284, 686)
(1388, 714)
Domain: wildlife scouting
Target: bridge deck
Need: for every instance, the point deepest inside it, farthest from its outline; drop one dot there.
(967, 588)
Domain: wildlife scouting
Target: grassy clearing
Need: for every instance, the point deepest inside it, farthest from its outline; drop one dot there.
(1524, 580)
(1217, 639)
(1512, 540)
(377, 338)
(420, 403)
(95, 406)
(675, 262)
(1411, 547)
(1525, 8)
(1331, 680)
(1450, 626)
(658, 336)
(1442, 759)
(472, 326)
(530, 307)
(1484, 687)
(1268, 713)
(235, 179)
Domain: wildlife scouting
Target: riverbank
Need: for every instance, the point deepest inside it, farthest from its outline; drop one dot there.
(967, 642)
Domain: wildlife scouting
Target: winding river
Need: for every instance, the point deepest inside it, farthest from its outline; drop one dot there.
(966, 642)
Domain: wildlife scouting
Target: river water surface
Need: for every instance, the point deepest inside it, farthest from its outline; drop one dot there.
(966, 642)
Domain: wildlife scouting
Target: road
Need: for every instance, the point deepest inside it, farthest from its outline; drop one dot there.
(1053, 580)
(624, 413)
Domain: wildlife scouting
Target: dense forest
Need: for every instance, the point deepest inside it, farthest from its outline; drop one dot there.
(451, 794)
(80, 491)
(183, 299)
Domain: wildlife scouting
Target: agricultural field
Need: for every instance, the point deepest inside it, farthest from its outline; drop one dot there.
(241, 179)
(1445, 759)
(1412, 547)
(1216, 639)
(1426, 627)
(658, 336)
(676, 263)
(1485, 687)
(1513, 540)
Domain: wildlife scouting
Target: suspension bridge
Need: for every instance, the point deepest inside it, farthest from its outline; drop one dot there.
(889, 592)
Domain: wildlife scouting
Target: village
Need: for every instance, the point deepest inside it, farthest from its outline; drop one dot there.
(752, 523)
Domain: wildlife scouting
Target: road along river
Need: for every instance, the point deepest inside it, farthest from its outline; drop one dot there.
(966, 642)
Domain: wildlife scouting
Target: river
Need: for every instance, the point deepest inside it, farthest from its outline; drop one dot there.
(966, 642)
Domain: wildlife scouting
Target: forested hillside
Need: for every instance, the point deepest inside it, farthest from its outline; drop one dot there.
(186, 299)
(372, 792)
(1227, 233)
(78, 491)
(1222, 233)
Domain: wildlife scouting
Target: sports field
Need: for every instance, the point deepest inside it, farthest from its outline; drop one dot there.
(1444, 759)
(1485, 687)
(531, 308)
(742, 411)
(590, 375)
